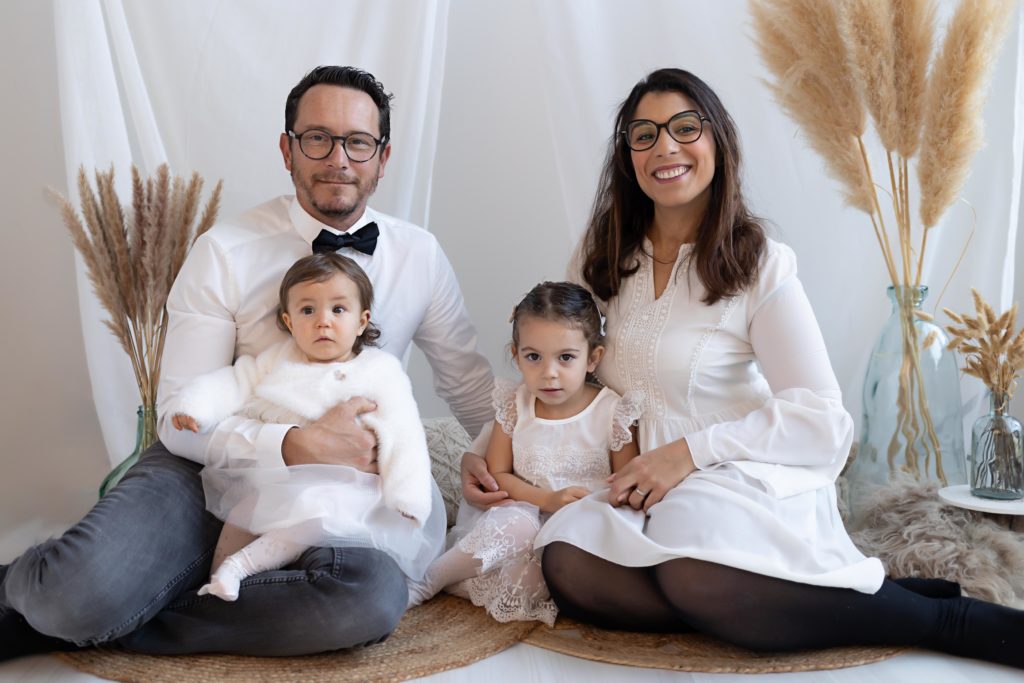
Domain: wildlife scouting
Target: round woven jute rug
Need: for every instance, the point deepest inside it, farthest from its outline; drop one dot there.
(691, 651)
(444, 633)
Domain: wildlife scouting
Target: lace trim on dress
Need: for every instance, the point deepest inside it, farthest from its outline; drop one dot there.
(627, 412)
(691, 404)
(555, 467)
(504, 399)
(500, 534)
(510, 585)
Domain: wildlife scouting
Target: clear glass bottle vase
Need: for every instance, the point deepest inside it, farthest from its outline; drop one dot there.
(913, 417)
(145, 435)
(997, 452)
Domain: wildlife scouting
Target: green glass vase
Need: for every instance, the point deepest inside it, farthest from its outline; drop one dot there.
(145, 435)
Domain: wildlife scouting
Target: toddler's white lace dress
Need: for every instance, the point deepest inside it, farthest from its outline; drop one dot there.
(551, 454)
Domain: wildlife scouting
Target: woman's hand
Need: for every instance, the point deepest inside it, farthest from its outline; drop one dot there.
(646, 479)
(478, 486)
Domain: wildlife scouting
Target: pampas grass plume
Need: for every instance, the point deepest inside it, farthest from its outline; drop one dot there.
(867, 26)
(798, 40)
(953, 102)
(913, 29)
(131, 261)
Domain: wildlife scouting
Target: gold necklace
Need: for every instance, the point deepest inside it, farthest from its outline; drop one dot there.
(658, 260)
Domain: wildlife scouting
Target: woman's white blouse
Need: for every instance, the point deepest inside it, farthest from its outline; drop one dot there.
(746, 380)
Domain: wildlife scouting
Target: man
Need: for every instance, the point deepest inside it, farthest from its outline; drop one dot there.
(129, 571)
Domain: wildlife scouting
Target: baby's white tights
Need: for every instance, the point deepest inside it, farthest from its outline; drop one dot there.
(452, 567)
(263, 554)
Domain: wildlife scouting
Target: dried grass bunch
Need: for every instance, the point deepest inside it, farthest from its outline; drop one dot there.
(838, 65)
(835, 63)
(991, 350)
(132, 257)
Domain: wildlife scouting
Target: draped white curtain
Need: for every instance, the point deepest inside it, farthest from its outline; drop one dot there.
(201, 85)
(502, 114)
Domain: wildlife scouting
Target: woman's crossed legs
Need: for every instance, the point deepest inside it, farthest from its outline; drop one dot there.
(765, 613)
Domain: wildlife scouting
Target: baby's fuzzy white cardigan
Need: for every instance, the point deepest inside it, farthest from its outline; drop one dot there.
(281, 385)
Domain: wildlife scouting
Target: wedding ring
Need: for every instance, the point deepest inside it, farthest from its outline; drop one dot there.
(643, 494)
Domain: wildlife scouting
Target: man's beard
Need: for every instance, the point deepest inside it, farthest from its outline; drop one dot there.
(333, 210)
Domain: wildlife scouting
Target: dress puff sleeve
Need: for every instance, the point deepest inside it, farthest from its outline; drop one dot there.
(799, 439)
(504, 399)
(627, 411)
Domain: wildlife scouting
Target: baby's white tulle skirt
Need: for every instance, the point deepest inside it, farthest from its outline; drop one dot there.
(325, 505)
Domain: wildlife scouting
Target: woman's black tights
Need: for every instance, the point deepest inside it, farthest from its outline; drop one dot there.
(765, 613)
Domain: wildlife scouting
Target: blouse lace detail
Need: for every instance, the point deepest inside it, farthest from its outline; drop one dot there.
(504, 399)
(640, 332)
(627, 412)
(691, 404)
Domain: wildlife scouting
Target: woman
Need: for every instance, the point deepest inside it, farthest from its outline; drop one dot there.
(727, 522)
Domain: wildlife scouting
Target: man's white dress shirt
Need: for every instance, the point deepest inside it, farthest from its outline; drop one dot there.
(224, 303)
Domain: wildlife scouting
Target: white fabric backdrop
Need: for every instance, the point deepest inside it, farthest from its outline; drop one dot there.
(202, 86)
(501, 118)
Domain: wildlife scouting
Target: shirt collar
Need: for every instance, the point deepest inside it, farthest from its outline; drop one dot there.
(309, 227)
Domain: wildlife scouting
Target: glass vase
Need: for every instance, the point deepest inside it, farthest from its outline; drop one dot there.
(997, 453)
(145, 435)
(913, 418)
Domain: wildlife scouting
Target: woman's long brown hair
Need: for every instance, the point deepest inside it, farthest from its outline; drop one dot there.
(729, 239)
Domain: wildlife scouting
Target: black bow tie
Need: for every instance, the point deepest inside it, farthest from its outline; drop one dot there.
(364, 239)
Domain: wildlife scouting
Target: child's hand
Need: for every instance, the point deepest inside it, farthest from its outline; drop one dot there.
(559, 499)
(182, 421)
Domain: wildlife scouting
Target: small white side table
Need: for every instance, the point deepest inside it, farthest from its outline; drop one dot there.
(960, 496)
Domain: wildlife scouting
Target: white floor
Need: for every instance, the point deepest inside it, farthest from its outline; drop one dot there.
(527, 664)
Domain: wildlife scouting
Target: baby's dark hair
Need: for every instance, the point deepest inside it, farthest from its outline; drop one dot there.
(563, 302)
(320, 268)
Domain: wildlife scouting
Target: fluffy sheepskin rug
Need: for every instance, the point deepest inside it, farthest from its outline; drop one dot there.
(914, 533)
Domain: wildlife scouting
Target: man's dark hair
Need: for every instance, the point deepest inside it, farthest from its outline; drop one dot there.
(346, 77)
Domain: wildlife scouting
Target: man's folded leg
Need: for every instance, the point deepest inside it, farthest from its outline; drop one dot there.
(140, 546)
(17, 638)
(329, 599)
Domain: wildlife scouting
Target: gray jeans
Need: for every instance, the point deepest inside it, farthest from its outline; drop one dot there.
(129, 572)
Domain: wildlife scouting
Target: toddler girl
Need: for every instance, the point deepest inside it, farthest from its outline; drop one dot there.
(557, 437)
(325, 302)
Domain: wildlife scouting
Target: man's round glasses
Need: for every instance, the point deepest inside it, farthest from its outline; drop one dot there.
(318, 144)
(685, 127)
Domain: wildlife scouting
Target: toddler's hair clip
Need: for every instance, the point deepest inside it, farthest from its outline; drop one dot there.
(512, 318)
(600, 316)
